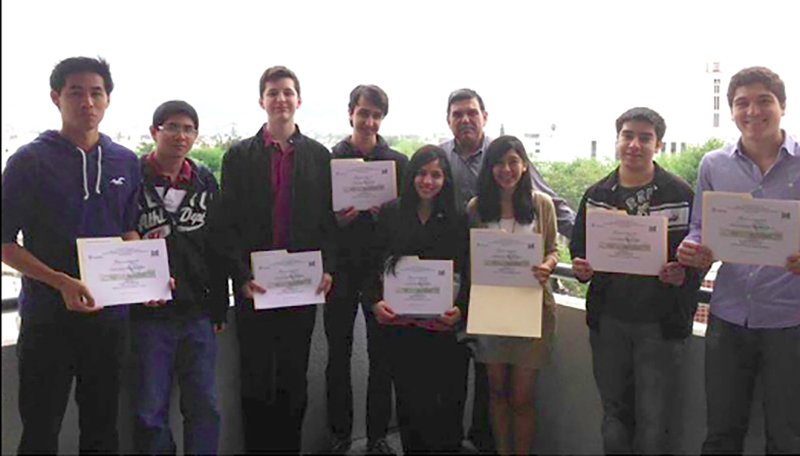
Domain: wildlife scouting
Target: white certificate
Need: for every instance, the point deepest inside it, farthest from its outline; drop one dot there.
(419, 288)
(127, 272)
(505, 297)
(291, 279)
(362, 184)
(627, 244)
(504, 259)
(741, 229)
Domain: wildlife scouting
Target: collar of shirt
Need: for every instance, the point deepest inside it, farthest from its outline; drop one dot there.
(477, 155)
(154, 168)
(789, 145)
(270, 142)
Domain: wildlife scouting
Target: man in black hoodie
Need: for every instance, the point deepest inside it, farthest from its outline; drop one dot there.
(638, 324)
(367, 108)
(177, 338)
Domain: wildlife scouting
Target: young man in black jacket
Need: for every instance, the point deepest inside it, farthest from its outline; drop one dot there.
(638, 324)
(276, 195)
(176, 200)
(368, 106)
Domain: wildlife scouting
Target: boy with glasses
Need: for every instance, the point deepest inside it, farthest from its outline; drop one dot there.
(177, 337)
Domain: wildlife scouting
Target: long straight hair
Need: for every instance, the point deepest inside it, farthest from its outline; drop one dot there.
(444, 204)
(489, 191)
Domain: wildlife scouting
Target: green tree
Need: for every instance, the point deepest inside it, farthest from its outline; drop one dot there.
(209, 156)
(686, 163)
(406, 145)
(571, 179)
(144, 147)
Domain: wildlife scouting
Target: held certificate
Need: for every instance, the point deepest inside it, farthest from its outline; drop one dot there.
(741, 229)
(617, 242)
(362, 184)
(291, 279)
(505, 297)
(129, 272)
(419, 288)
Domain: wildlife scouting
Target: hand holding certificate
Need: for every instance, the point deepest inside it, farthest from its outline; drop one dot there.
(127, 272)
(291, 279)
(741, 229)
(419, 288)
(505, 297)
(617, 242)
(360, 184)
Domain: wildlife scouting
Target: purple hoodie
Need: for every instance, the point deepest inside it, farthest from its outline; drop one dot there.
(54, 193)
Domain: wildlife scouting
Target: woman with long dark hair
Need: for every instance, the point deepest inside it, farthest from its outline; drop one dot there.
(506, 201)
(424, 357)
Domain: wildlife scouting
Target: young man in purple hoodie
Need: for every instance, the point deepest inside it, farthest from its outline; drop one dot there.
(68, 184)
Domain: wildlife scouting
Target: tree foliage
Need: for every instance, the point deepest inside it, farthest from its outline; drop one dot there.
(571, 179)
(406, 145)
(209, 156)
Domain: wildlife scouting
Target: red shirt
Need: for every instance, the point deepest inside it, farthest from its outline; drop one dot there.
(154, 169)
(281, 173)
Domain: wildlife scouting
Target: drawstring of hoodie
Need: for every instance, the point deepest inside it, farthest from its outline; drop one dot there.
(99, 172)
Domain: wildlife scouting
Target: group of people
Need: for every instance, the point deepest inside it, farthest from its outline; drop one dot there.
(275, 193)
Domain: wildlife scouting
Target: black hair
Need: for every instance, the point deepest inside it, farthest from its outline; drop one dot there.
(444, 204)
(76, 65)
(373, 94)
(644, 115)
(489, 192)
(170, 108)
(758, 75)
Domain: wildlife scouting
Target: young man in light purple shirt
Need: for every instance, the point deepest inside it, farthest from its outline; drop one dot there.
(754, 327)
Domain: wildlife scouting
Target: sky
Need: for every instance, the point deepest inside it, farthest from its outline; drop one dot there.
(576, 65)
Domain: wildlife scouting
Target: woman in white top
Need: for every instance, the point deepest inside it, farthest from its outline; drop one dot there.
(507, 201)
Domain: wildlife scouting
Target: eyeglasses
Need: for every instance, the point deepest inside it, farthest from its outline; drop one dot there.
(174, 129)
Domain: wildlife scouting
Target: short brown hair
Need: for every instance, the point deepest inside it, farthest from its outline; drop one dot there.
(757, 75)
(373, 94)
(276, 73)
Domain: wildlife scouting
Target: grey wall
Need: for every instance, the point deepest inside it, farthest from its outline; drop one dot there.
(569, 411)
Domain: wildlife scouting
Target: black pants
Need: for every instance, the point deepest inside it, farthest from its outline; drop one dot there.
(87, 347)
(425, 367)
(340, 314)
(274, 347)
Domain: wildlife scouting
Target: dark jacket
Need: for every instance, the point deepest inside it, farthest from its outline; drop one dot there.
(673, 307)
(401, 234)
(244, 224)
(201, 285)
(55, 194)
(353, 240)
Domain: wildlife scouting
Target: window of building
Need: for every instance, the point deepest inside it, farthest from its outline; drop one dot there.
(716, 119)
(673, 147)
(683, 147)
(716, 103)
(594, 149)
(663, 147)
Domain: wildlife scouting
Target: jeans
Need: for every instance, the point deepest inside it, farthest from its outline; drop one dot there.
(161, 349)
(340, 314)
(636, 371)
(735, 355)
(88, 348)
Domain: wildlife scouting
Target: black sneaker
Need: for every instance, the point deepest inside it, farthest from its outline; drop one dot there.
(380, 446)
(339, 445)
